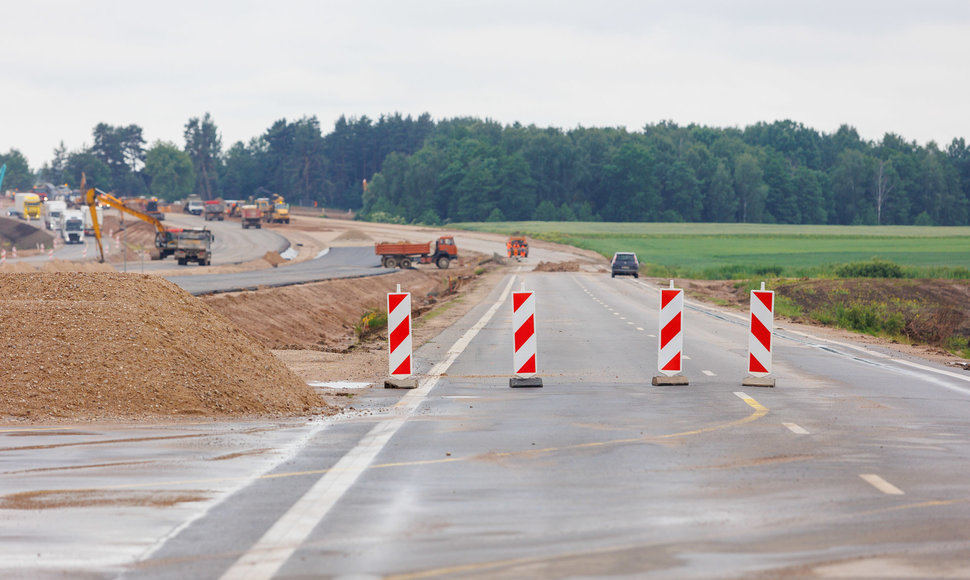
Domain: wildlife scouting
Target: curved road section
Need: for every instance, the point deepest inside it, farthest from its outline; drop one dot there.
(345, 262)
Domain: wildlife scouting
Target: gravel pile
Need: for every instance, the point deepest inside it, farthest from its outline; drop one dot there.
(109, 346)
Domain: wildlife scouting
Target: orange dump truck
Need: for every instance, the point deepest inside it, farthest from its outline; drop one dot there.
(403, 254)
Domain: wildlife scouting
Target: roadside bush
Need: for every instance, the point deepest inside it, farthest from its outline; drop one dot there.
(870, 269)
(372, 322)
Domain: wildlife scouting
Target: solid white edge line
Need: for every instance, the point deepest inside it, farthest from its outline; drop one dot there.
(284, 537)
(881, 484)
(796, 429)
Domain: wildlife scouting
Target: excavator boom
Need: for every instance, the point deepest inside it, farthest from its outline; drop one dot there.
(93, 196)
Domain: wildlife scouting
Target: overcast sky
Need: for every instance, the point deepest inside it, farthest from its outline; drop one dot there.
(880, 66)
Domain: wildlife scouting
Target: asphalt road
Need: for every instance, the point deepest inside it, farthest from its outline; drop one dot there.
(856, 465)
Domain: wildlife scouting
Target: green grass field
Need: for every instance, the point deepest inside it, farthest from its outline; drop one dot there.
(740, 251)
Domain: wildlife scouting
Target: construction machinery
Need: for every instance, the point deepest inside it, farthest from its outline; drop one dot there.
(194, 245)
(517, 246)
(193, 205)
(215, 209)
(165, 240)
(26, 206)
(403, 254)
(72, 226)
(252, 217)
(274, 208)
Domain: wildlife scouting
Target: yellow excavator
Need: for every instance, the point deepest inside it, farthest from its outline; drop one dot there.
(165, 239)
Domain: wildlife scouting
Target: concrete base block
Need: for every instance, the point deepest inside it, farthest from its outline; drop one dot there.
(400, 383)
(758, 382)
(517, 382)
(663, 380)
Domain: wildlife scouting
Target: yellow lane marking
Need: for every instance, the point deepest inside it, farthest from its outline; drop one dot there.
(760, 411)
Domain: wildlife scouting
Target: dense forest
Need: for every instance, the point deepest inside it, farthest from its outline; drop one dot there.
(467, 169)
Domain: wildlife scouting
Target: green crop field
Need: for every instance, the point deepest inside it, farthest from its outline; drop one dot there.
(725, 251)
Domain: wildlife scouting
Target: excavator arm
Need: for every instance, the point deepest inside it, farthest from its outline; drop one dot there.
(93, 196)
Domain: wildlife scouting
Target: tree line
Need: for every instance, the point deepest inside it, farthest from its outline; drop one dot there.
(292, 158)
(780, 172)
(416, 170)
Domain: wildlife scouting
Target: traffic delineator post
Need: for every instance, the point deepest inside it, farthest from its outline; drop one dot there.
(760, 338)
(399, 341)
(670, 338)
(524, 340)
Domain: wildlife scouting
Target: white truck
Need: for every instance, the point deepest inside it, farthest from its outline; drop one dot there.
(88, 225)
(72, 226)
(53, 210)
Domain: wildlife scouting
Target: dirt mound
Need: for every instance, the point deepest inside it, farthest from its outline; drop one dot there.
(322, 315)
(15, 233)
(274, 258)
(557, 267)
(56, 265)
(128, 346)
(353, 236)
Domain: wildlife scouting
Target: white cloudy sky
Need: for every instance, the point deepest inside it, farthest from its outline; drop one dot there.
(880, 66)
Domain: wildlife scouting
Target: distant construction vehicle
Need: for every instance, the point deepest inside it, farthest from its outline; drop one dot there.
(193, 205)
(403, 254)
(274, 208)
(166, 241)
(517, 246)
(194, 245)
(214, 209)
(252, 217)
(26, 206)
(71, 226)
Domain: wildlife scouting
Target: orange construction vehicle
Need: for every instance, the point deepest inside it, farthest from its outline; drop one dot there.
(517, 247)
(403, 254)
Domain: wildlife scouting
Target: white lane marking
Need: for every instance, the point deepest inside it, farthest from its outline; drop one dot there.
(652, 335)
(742, 395)
(881, 484)
(460, 397)
(623, 318)
(630, 323)
(283, 538)
(640, 329)
(709, 373)
(933, 370)
(685, 357)
(795, 429)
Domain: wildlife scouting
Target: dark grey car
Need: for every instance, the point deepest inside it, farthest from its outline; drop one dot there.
(625, 263)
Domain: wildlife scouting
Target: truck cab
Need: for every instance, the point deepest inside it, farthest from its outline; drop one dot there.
(72, 226)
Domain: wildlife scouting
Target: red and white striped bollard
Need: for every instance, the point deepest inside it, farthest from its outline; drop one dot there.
(760, 338)
(670, 338)
(524, 340)
(399, 341)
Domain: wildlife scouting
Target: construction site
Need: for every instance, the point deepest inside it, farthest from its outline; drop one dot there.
(85, 342)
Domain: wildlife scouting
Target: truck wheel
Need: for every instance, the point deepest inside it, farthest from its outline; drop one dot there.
(388, 262)
(183, 261)
(443, 262)
(405, 263)
(245, 227)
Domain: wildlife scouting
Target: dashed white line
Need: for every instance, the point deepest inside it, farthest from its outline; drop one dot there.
(709, 373)
(881, 484)
(795, 429)
(640, 329)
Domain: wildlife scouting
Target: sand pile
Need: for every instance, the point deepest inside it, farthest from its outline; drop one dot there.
(127, 346)
(352, 238)
(557, 267)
